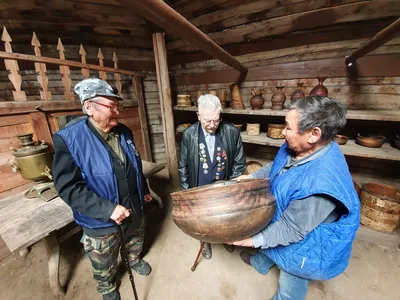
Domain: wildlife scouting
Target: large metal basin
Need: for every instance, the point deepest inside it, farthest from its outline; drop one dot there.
(224, 211)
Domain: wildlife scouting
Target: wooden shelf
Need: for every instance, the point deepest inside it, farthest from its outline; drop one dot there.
(351, 148)
(373, 115)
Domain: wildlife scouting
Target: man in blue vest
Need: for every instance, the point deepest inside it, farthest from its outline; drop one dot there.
(211, 150)
(98, 173)
(318, 211)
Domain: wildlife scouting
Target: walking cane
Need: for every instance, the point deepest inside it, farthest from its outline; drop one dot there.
(124, 254)
(197, 258)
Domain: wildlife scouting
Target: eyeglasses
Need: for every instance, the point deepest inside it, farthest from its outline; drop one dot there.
(208, 122)
(112, 108)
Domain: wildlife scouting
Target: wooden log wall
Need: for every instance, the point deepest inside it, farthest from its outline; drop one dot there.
(363, 93)
(154, 118)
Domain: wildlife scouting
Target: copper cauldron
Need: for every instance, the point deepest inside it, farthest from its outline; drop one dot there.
(224, 211)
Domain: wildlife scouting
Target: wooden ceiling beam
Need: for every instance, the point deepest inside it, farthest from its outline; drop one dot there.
(164, 16)
(379, 39)
(335, 33)
(341, 14)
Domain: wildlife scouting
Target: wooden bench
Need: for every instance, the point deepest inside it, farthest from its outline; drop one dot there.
(24, 222)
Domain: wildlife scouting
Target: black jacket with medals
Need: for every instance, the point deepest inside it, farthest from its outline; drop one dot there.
(189, 153)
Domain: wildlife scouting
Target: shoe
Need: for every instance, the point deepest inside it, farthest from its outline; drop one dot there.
(229, 248)
(142, 267)
(114, 295)
(246, 257)
(207, 252)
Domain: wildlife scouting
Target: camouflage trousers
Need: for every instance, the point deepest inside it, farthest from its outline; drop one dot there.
(103, 254)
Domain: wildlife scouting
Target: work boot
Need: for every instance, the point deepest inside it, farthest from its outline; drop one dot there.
(229, 248)
(246, 257)
(207, 252)
(114, 295)
(142, 267)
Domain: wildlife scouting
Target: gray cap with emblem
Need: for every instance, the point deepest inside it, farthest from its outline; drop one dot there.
(92, 87)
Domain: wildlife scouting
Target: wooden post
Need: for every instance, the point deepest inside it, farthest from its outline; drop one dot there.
(138, 94)
(65, 73)
(41, 69)
(102, 74)
(85, 72)
(379, 39)
(160, 54)
(12, 66)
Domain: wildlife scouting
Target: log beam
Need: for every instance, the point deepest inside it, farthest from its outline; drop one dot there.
(379, 39)
(158, 12)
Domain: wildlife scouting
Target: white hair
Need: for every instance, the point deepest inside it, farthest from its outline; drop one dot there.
(209, 101)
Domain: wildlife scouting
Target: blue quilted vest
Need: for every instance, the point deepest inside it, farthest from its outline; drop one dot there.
(325, 252)
(213, 167)
(96, 165)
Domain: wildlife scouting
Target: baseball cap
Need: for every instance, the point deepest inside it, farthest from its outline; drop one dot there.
(92, 87)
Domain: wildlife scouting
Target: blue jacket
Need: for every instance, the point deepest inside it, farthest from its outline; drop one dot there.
(96, 165)
(325, 252)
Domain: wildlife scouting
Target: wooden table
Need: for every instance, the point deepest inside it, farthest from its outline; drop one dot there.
(24, 222)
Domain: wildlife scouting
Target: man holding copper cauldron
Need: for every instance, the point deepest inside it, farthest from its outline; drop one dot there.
(211, 150)
(317, 209)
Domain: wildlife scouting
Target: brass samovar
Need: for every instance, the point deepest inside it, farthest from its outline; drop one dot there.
(33, 161)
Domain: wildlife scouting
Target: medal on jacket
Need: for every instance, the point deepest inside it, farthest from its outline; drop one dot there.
(203, 158)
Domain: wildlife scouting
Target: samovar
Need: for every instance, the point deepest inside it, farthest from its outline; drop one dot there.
(33, 161)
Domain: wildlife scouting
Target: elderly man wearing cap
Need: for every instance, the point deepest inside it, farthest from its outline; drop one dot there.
(98, 173)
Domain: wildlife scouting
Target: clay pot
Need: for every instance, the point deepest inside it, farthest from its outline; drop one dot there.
(298, 94)
(275, 131)
(222, 95)
(380, 207)
(320, 89)
(278, 99)
(372, 141)
(257, 101)
(237, 100)
(252, 166)
(224, 211)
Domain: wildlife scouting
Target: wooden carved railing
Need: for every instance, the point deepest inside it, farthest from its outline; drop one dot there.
(46, 103)
(11, 63)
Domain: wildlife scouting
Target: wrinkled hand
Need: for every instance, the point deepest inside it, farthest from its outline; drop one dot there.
(120, 213)
(241, 177)
(148, 198)
(244, 243)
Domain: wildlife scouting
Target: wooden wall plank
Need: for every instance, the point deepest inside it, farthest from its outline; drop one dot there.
(379, 65)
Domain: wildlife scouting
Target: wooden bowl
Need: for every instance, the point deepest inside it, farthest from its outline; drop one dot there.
(372, 141)
(238, 126)
(224, 211)
(380, 207)
(252, 166)
(341, 139)
(253, 129)
(275, 131)
(397, 141)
